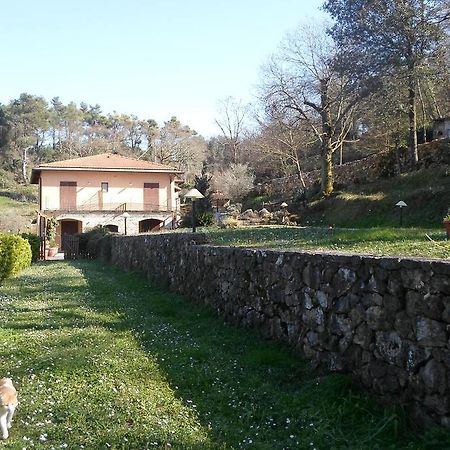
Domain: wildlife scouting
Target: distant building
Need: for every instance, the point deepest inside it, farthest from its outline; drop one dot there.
(96, 190)
(441, 128)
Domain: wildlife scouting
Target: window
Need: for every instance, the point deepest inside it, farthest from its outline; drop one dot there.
(104, 187)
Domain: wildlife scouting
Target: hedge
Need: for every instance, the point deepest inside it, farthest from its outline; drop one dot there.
(35, 244)
(15, 254)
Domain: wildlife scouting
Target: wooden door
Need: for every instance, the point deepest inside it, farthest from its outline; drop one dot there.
(151, 196)
(68, 195)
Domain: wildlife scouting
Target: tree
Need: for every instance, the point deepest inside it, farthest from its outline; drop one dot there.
(395, 37)
(231, 122)
(181, 147)
(283, 140)
(4, 127)
(202, 183)
(28, 116)
(303, 86)
(235, 182)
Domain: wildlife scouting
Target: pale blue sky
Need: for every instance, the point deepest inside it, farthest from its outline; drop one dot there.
(152, 58)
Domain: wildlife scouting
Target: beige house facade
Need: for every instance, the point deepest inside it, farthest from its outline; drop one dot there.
(126, 195)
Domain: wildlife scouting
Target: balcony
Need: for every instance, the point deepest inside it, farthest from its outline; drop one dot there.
(116, 207)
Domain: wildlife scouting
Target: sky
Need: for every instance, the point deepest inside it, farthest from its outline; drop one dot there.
(151, 58)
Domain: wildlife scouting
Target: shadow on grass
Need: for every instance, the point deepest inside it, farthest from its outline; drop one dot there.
(247, 391)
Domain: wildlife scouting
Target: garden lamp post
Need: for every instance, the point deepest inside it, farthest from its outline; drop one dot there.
(194, 195)
(283, 207)
(125, 216)
(401, 204)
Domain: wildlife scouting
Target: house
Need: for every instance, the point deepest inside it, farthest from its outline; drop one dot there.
(124, 194)
(441, 128)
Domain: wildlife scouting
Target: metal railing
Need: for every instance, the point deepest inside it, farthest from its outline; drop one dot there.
(117, 207)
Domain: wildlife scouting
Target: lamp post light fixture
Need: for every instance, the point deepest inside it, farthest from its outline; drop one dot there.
(125, 216)
(401, 204)
(283, 207)
(194, 195)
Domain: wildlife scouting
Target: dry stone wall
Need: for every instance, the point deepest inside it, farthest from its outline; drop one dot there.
(385, 320)
(363, 170)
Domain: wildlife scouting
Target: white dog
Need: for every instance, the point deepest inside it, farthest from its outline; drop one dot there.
(8, 404)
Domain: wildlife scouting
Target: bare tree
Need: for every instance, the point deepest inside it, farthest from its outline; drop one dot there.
(302, 84)
(231, 122)
(285, 141)
(235, 182)
(180, 147)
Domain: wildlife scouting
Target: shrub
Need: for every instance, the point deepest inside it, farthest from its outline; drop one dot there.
(50, 232)
(89, 241)
(15, 255)
(235, 182)
(35, 243)
(230, 222)
(205, 219)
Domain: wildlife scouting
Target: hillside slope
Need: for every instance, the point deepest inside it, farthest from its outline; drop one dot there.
(426, 192)
(16, 216)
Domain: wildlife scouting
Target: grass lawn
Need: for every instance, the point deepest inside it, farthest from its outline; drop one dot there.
(372, 241)
(102, 359)
(16, 216)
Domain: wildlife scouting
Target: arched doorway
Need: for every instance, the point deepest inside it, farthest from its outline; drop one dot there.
(69, 226)
(149, 225)
(112, 228)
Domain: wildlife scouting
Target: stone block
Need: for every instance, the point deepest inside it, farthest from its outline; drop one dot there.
(437, 404)
(440, 284)
(403, 324)
(430, 333)
(434, 377)
(343, 281)
(389, 346)
(415, 279)
(377, 318)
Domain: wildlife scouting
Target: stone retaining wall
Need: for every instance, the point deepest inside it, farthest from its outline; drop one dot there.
(386, 320)
(355, 172)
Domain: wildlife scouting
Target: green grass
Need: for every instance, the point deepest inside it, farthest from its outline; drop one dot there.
(426, 192)
(16, 216)
(103, 359)
(373, 241)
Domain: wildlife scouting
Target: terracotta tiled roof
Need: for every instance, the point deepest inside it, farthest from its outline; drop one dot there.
(104, 161)
(109, 161)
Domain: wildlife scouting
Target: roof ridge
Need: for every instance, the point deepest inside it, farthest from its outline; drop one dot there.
(134, 162)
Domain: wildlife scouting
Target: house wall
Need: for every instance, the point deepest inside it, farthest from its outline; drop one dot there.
(123, 188)
(385, 320)
(441, 129)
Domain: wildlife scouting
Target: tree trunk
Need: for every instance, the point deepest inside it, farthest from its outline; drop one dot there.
(300, 173)
(424, 113)
(327, 148)
(327, 184)
(412, 145)
(24, 164)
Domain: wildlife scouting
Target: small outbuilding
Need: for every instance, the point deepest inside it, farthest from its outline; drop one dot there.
(441, 128)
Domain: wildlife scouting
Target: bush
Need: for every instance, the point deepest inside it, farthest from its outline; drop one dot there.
(15, 255)
(35, 243)
(205, 219)
(89, 241)
(230, 222)
(235, 182)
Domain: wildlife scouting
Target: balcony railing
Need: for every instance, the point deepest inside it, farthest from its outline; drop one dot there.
(117, 207)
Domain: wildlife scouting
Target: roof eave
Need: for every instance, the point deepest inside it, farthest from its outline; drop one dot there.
(106, 169)
(35, 175)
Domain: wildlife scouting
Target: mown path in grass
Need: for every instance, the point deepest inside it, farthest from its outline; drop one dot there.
(102, 359)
